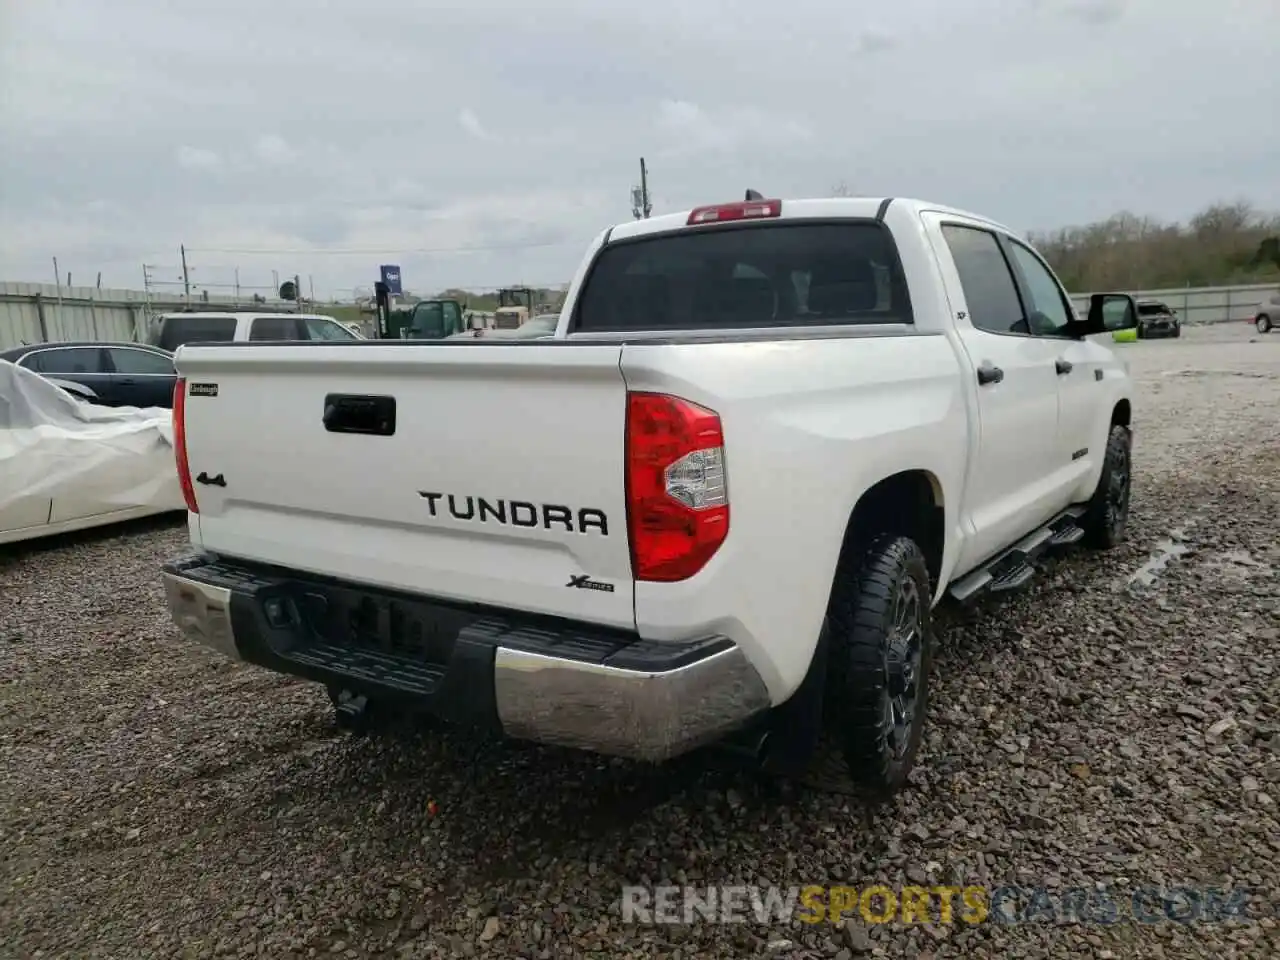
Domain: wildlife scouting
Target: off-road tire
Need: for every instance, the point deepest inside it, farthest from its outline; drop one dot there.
(1177, 330)
(1107, 516)
(1263, 323)
(865, 636)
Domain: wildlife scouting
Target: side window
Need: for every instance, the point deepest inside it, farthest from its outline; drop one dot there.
(452, 319)
(274, 328)
(320, 329)
(989, 291)
(66, 360)
(1049, 314)
(141, 362)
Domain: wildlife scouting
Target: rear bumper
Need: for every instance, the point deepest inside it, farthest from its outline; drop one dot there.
(552, 681)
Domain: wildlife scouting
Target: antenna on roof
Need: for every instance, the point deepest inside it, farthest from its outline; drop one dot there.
(754, 195)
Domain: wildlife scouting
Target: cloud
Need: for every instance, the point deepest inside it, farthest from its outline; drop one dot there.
(876, 41)
(492, 140)
(197, 158)
(688, 129)
(272, 149)
(469, 122)
(1095, 12)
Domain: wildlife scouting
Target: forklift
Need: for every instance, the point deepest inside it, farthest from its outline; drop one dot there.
(515, 307)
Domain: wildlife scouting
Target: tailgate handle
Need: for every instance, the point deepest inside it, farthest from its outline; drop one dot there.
(359, 413)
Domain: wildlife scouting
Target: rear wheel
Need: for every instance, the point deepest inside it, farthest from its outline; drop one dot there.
(1263, 323)
(1108, 513)
(881, 649)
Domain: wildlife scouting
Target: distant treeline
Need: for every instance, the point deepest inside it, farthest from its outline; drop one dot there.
(1225, 244)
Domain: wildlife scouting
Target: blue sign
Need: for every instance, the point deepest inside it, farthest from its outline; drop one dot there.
(391, 277)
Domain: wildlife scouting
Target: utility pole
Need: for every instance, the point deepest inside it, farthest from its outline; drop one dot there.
(640, 205)
(186, 277)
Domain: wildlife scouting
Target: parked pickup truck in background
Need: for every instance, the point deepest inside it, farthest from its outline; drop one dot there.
(720, 503)
(1157, 319)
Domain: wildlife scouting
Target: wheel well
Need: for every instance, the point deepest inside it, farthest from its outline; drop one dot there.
(909, 503)
(1121, 414)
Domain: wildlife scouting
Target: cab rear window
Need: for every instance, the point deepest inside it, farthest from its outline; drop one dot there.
(737, 277)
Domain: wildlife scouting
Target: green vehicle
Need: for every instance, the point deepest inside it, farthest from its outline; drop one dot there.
(424, 320)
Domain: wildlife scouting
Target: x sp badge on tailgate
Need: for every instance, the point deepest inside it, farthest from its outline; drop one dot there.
(583, 582)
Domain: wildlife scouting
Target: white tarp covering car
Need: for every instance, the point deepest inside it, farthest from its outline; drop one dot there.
(66, 465)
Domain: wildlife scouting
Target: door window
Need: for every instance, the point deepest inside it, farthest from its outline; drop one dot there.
(320, 329)
(140, 362)
(990, 293)
(65, 360)
(452, 319)
(1048, 314)
(275, 328)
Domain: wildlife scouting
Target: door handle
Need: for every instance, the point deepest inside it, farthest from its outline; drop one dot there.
(989, 374)
(1062, 366)
(128, 381)
(356, 413)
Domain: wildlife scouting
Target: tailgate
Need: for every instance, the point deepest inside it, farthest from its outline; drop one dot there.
(501, 481)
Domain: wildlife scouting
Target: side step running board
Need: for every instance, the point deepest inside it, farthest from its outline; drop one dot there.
(1014, 568)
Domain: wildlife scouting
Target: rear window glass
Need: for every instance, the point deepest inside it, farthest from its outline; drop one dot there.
(175, 331)
(805, 274)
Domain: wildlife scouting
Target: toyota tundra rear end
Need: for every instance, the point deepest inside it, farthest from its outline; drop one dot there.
(564, 540)
(457, 531)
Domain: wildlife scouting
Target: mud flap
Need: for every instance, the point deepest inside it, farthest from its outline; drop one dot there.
(795, 727)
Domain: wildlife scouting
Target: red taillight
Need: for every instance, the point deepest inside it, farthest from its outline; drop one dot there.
(725, 212)
(180, 443)
(677, 498)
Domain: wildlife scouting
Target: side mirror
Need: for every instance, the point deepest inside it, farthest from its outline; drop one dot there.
(1109, 312)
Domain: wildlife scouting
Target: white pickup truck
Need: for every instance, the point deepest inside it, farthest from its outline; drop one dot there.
(719, 504)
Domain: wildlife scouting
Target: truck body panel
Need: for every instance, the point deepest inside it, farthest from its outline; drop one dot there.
(436, 506)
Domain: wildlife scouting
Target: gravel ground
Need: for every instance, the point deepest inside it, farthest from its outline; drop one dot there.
(156, 801)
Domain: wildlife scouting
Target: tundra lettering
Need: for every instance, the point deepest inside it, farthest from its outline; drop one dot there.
(518, 513)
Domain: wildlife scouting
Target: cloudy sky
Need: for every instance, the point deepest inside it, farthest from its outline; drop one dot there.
(483, 142)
